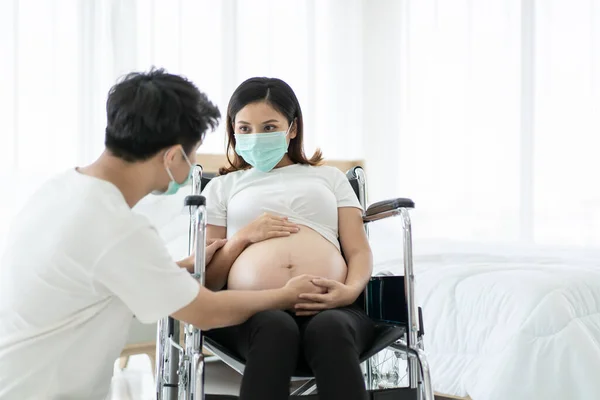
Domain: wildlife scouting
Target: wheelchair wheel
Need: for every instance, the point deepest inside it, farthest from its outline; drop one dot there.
(389, 369)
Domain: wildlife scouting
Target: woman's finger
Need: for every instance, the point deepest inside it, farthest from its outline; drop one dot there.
(316, 297)
(284, 221)
(274, 234)
(282, 229)
(288, 228)
(215, 244)
(326, 283)
(285, 225)
(280, 226)
(210, 241)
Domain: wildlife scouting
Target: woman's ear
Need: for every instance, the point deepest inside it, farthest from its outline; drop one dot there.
(294, 130)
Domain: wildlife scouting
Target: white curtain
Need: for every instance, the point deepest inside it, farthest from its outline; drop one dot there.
(60, 57)
(487, 114)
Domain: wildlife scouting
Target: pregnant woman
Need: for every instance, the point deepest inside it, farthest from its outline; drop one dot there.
(285, 215)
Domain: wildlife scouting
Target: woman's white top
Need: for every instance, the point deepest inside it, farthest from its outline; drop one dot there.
(307, 195)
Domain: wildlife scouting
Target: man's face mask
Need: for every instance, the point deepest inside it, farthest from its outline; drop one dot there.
(174, 186)
(262, 150)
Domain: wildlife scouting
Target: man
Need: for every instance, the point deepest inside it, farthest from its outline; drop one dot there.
(80, 263)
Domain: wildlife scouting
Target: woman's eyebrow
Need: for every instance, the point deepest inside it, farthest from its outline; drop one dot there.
(266, 122)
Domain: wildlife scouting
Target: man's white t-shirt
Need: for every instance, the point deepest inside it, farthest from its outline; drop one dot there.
(305, 194)
(79, 264)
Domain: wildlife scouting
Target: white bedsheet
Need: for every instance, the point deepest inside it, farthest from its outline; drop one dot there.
(501, 322)
(507, 322)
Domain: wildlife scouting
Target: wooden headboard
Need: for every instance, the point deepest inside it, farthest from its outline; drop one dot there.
(212, 162)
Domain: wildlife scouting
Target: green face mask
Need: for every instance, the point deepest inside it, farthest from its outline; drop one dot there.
(174, 186)
(262, 150)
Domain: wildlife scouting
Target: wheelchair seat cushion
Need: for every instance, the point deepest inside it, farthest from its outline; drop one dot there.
(384, 336)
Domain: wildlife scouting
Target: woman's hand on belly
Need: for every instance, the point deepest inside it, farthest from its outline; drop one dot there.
(266, 227)
(336, 295)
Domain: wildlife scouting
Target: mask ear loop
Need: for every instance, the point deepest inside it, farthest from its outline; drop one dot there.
(167, 167)
(289, 128)
(185, 157)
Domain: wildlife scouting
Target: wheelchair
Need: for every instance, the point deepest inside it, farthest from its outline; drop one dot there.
(388, 300)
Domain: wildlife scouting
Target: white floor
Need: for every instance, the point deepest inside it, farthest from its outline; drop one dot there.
(137, 383)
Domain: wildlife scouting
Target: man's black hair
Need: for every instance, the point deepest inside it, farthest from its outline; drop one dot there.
(150, 111)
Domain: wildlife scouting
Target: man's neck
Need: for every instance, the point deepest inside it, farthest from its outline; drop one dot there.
(129, 178)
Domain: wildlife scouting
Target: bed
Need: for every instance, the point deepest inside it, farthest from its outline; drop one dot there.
(501, 321)
(505, 321)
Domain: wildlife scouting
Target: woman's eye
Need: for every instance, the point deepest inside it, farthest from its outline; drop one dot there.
(270, 128)
(243, 129)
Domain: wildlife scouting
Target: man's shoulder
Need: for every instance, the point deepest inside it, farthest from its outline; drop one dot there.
(78, 187)
(77, 205)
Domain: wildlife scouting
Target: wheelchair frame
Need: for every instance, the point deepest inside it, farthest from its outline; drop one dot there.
(180, 369)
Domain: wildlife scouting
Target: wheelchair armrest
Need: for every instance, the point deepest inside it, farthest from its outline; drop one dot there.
(386, 208)
(384, 300)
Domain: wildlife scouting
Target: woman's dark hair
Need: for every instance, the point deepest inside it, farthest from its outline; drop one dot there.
(281, 97)
(148, 112)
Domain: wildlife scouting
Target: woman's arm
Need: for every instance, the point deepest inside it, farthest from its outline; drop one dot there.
(359, 258)
(357, 250)
(218, 268)
(212, 245)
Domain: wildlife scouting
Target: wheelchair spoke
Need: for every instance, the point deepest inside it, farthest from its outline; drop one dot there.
(389, 369)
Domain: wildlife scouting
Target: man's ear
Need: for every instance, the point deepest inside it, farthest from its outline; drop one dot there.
(169, 154)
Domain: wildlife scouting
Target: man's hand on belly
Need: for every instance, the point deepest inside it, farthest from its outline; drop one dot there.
(337, 295)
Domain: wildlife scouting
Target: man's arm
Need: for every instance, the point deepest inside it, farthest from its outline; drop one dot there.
(218, 268)
(210, 310)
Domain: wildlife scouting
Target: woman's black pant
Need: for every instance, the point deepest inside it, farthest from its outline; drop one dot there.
(275, 343)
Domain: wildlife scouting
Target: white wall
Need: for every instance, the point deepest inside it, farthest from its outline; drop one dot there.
(382, 97)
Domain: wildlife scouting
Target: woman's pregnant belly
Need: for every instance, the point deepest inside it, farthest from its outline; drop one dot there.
(271, 263)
